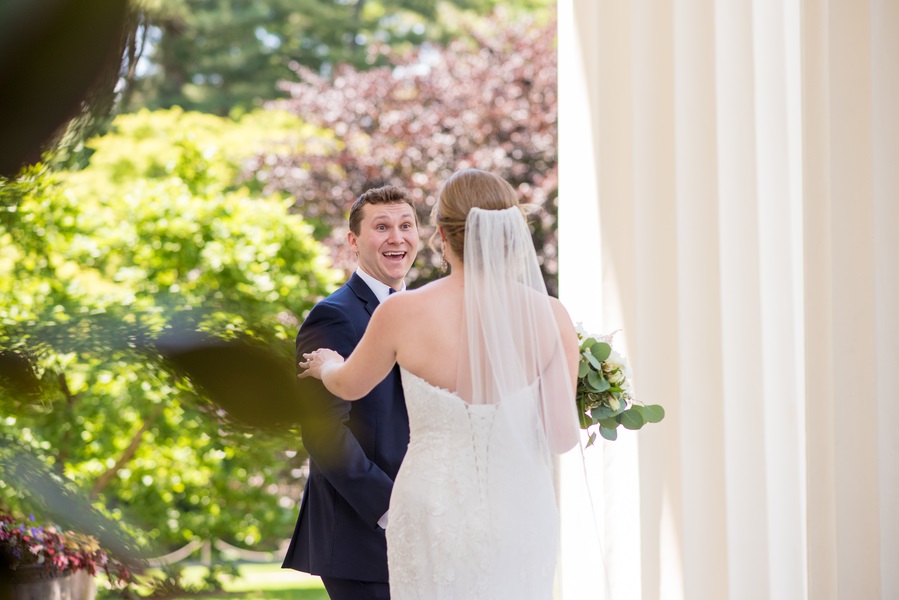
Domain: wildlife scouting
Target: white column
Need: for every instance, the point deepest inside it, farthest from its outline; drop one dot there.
(853, 358)
(780, 242)
(580, 269)
(841, 376)
(615, 164)
(885, 125)
(817, 218)
(652, 324)
(699, 304)
(739, 231)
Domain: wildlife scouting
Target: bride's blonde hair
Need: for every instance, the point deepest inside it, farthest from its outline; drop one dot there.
(464, 190)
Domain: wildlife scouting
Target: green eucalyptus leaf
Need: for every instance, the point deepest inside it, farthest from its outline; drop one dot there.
(610, 423)
(601, 351)
(605, 412)
(602, 412)
(592, 360)
(590, 439)
(609, 434)
(652, 413)
(631, 419)
(596, 382)
(582, 369)
(585, 420)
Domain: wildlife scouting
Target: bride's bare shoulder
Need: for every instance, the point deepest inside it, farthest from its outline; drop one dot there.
(409, 300)
(558, 308)
(563, 318)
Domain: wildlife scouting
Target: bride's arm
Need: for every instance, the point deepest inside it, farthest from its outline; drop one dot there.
(569, 340)
(560, 414)
(369, 363)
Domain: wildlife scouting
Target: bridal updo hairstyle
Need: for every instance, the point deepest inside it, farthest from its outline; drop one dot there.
(464, 190)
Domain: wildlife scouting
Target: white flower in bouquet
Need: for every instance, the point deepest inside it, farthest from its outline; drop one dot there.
(616, 377)
(614, 403)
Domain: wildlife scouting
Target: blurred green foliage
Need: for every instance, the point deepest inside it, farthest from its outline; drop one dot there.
(220, 55)
(156, 236)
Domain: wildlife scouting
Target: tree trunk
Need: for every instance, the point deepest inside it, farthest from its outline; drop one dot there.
(66, 441)
(170, 88)
(126, 456)
(357, 23)
(137, 43)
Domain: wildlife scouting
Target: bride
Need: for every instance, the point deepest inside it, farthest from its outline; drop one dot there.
(489, 364)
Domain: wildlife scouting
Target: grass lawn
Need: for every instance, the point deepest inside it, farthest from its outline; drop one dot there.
(271, 581)
(257, 581)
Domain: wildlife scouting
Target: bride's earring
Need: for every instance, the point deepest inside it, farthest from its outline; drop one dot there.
(442, 262)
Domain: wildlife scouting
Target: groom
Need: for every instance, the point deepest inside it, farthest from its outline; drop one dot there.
(355, 448)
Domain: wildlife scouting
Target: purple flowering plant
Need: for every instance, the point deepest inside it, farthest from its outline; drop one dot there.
(24, 543)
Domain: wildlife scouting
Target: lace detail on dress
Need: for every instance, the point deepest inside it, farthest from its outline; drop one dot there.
(471, 515)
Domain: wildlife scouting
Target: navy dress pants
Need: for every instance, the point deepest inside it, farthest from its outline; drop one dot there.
(350, 589)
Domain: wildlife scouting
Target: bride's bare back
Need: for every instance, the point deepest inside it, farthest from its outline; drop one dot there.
(428, 329)
(423, 331)
(429, 323)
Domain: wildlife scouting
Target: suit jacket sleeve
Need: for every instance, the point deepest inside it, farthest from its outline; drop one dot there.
(330, 443)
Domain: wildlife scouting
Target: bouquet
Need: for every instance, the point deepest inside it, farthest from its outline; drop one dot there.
(603, 392)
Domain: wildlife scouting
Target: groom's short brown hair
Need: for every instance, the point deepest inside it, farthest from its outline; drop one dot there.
(387, 194)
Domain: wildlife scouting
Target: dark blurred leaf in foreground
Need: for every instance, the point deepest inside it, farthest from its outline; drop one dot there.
(59, 59)
(250, 383)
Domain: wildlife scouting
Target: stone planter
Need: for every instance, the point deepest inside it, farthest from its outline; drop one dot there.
(32, 583)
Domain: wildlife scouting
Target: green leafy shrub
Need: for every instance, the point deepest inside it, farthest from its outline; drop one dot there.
(156, 236)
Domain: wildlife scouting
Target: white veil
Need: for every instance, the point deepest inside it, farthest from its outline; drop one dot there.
(510, 332)
(514, 352)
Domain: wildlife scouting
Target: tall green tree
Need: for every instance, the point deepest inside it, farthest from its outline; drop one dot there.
(213, 55)
(104, 271)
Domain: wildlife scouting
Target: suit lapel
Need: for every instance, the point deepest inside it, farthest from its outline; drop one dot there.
(364, 293)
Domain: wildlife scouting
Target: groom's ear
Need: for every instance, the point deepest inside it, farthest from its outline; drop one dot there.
(352, 240)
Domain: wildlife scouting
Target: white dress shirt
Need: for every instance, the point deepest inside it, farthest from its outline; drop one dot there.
(381, 289)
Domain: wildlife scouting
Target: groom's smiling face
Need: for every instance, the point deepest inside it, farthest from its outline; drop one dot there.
(387, 241)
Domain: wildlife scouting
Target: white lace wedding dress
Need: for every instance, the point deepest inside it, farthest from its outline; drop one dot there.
(473, 512)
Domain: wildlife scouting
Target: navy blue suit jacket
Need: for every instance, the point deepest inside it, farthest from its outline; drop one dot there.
(355, 451)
